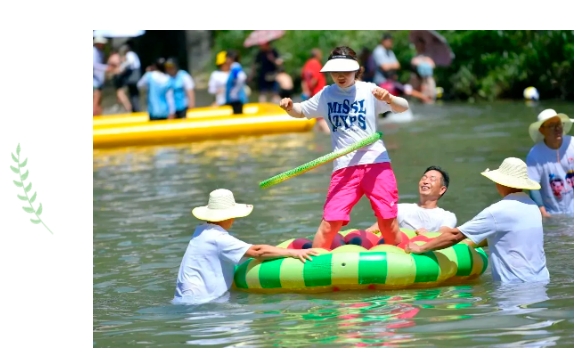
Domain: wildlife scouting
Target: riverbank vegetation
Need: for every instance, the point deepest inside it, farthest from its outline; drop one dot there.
(488, 65)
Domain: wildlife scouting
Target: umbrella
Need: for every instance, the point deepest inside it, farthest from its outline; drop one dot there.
(436, 46)
(259, 37)
(118, 33)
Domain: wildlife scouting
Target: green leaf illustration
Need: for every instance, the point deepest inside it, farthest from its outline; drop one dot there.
(23, 175)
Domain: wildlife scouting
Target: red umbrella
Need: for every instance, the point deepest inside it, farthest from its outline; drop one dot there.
(435, 45)
(259, 37)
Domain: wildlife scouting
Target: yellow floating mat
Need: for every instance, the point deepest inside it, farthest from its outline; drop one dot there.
(191, 130)
(125, 119)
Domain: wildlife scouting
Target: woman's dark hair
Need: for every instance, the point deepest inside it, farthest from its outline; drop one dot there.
(347, 51)
(445, 177)
(160, 64)
(232, 54)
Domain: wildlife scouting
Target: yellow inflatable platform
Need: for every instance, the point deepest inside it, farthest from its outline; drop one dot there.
(206, 123)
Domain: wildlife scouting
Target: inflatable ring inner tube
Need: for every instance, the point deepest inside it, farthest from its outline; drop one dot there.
(357, 260)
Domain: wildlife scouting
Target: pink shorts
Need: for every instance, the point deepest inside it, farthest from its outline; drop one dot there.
(347, 186)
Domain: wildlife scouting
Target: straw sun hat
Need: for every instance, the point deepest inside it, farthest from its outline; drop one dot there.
(221, 206)
(544, 116)
(512, 173)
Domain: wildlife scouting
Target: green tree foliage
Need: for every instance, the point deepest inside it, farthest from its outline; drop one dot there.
(488, 65)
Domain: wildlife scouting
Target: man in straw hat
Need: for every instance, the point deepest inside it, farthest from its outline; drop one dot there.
(207, 268)
(550, 161)
(512, 227)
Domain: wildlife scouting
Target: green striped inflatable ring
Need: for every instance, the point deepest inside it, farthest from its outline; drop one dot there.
(357, 267)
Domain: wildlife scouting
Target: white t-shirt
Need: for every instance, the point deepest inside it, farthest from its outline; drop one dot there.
(513, 229)
(410, 215)
(557, 179)
(131, 61)
(351, 113)
(218, 82)
(207, 268)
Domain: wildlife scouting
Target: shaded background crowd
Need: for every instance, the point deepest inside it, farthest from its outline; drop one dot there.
(422, 64)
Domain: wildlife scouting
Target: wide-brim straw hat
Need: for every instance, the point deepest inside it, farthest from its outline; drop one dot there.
(544, 116)
(512, 173)
(221, 206)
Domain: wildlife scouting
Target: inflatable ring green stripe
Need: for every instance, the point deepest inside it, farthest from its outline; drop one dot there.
(354, 267)
(319, 161)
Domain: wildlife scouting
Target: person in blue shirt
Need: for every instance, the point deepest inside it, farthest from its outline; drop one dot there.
(183, 88)
(236, 95)
(160, 102)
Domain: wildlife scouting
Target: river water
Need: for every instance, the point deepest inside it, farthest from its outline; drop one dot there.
(142, 224)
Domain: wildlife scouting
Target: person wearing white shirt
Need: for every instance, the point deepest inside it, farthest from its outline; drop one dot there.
(100, 69)
(218, 78)
(551, 162)
(351, 107)
(426, 216)
(207, 268)
(129, 73)
(512, 227)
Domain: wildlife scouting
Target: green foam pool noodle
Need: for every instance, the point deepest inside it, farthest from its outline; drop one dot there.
(319, 161)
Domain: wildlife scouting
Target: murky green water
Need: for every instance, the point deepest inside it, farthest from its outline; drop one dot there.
(142, 224)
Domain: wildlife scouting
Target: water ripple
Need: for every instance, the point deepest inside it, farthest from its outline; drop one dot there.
(143, 199)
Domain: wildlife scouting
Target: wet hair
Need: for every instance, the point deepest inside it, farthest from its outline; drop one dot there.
(445, 177)
(347, 51)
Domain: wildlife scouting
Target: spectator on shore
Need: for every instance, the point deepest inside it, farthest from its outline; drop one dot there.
(183, 85)
(128, 74)
(236, 95)
(100, 69)
(265, 70)
(218, 78)
(285, 83)
(313, 81)
(160, 103)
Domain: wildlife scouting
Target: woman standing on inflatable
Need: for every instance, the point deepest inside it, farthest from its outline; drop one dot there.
(351, 107)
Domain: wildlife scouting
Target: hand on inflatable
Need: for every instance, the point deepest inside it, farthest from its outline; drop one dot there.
(413, 248)
(286, 103)
(303, 254)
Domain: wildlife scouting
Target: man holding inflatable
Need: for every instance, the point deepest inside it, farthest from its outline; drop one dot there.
(512, 227)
